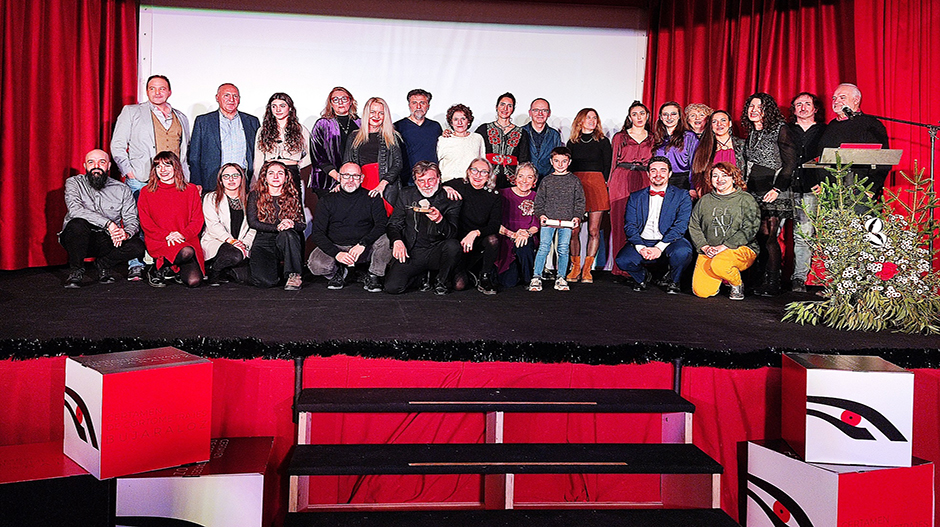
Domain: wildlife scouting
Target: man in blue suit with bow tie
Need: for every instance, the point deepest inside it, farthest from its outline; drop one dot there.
(655, 223)
(220, 137)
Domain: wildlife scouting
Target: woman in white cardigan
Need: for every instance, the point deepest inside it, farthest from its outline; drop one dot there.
(226, 240)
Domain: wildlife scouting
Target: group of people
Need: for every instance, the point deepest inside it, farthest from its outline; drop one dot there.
(414, 204)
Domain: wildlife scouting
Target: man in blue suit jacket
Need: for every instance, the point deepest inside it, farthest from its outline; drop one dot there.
(220, 137)
(655, 223)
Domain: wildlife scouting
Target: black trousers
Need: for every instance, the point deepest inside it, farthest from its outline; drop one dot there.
(268, 249)
(229, 258)
(83, 240)
(441, 257)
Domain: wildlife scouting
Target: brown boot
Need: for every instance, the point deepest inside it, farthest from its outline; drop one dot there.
(575, 273)
(586, 277)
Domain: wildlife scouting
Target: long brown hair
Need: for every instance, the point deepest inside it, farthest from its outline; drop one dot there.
(220, 189)
(270, 134)
(598, 132)
(166, 158)
(677, 138)
(289, 201)
(705, 155)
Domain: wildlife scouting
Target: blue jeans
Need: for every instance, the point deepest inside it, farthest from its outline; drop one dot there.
(135, 186)
(802, 234)
(545, 245)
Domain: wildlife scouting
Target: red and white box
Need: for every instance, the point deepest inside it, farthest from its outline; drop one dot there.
(781, 487)
(847, 409)
(227, 491)
(136, 411)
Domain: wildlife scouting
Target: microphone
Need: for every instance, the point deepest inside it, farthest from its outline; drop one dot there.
(848, 112)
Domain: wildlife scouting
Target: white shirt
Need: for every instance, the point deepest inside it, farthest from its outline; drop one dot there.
(651, 229)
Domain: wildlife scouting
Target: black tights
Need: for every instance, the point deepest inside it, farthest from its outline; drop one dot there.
(186, 261)
(767, 238)
(485, 250)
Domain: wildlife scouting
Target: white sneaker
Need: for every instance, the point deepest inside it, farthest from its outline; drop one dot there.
(737, 292)
(561, 284)
(535, 284)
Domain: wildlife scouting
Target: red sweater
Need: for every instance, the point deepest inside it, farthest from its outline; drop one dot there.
(166, 210)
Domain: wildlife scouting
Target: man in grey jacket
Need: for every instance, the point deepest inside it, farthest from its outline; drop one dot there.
(143, 130)
(101, 221)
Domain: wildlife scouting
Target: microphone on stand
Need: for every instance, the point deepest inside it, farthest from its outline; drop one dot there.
(846, 111)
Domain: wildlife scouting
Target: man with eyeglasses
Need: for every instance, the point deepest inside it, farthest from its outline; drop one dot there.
(423, 232)
(349, 229)
(542, 138)
(418, 133)
(223, 136)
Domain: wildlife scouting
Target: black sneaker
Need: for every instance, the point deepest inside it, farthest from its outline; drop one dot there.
(156, 277)
(74, 281)
(486, 285)
(639, 286)
(440, 288)
(135, 274)
(338, 280)
(425, 285)
(798, 286)
(104, 273)
(370, 283)
(673, 288)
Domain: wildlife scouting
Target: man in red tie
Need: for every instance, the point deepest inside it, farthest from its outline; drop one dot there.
(655, 223)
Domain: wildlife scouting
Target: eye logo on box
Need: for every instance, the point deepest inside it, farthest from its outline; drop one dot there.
(153, 521)
(850, 420)
(783, 509)
(81, 417)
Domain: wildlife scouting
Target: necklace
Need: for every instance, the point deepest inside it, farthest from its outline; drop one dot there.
(344, 128)
(589, 136)
(724, 145)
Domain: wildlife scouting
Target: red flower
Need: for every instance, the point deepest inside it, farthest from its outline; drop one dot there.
(887, 272)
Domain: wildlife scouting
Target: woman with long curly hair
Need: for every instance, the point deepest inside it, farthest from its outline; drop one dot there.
(590, 161)
(171, 218)
(227, 238)
(282, 138)
(377, 149)
(274, 211)
(770, 156)
(718, 146)
(329, 137)
(676, 143)
(632, 150)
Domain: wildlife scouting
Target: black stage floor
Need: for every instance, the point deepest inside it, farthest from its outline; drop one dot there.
(34, 305)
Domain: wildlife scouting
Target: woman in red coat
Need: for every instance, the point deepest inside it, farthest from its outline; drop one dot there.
(171, 217)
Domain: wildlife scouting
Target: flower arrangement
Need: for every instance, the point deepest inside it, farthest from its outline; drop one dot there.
(877, 258)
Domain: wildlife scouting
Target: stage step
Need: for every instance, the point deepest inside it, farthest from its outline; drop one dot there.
(517, 518)
(500, 458)
(509, 400)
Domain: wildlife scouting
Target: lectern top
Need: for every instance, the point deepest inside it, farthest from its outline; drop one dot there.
(861, 363)
(138, 360)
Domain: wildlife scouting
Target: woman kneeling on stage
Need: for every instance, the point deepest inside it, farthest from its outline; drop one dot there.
(275, 213)
(724, 231)
(171, 218)
(227, 239)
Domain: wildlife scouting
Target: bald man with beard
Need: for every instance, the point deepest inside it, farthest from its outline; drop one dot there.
(101, 221)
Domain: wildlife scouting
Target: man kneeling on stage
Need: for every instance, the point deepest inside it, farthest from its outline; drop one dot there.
(655, 223)
(101, 221)
(423, 232)
(349, 228)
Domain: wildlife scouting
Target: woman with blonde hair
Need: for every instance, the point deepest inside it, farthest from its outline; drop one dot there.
(171, 218)
(591, 156)
(376, 148)
(226, 240)
(329, 137)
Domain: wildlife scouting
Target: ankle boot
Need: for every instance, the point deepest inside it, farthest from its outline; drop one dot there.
(586, 277)
(575, 273)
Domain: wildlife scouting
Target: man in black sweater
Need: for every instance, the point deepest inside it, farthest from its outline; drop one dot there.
(423, 232)
(349, 228)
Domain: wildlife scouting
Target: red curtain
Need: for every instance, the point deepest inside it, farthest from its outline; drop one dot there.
(68, 66)
(719, 51)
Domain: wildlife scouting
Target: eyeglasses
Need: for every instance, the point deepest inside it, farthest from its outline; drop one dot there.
(475, 171)
(231, 177)
(339, 100)
(540, 110)
(350, 176)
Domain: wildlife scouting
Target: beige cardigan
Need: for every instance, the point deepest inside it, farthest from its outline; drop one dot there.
(218, 223)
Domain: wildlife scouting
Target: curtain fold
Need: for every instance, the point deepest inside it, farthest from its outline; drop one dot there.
(67, 68)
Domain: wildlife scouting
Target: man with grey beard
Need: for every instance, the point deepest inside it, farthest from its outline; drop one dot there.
(423, 233)
(101, 221)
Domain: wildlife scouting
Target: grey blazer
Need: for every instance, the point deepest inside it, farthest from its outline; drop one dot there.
(133, 145)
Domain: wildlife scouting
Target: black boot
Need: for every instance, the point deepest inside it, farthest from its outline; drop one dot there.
(486, 285)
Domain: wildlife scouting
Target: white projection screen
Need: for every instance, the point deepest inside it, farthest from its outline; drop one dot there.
(306, 55)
